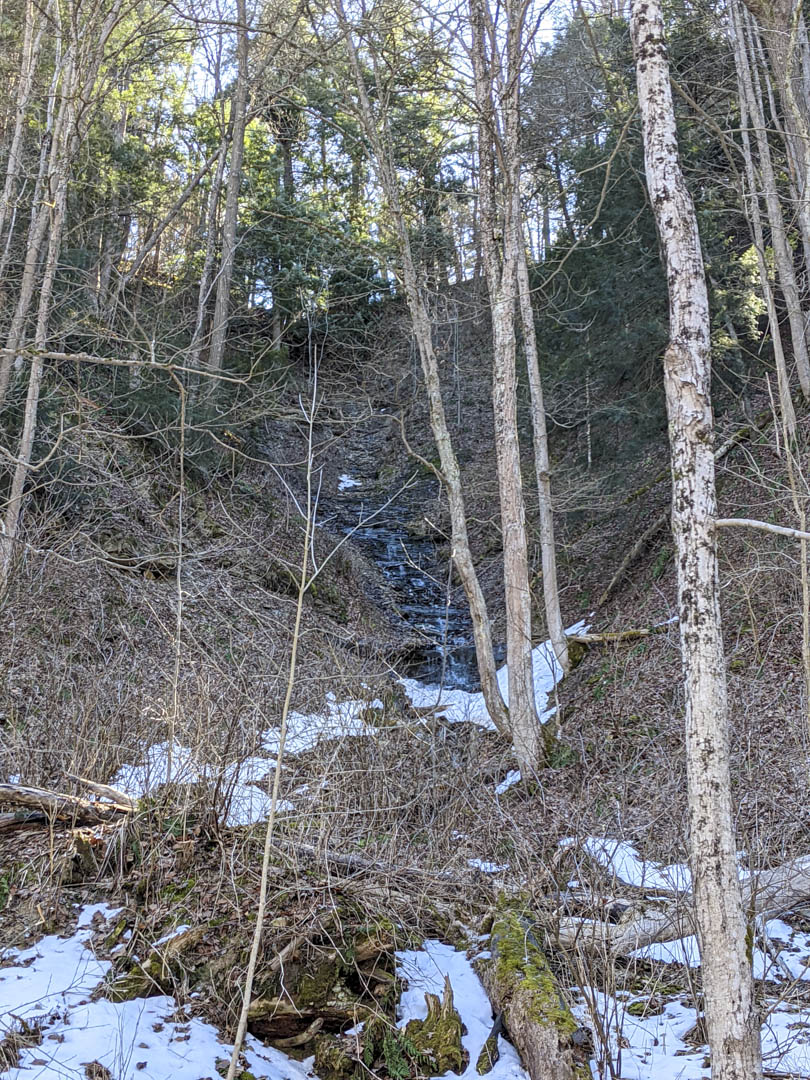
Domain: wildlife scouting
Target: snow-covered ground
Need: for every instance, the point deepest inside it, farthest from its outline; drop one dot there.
(246, 802)
(425, 971)
(50, 986)
(652, 1046)
(457, 706)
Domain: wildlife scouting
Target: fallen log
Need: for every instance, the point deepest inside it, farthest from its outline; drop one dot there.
(113, 795)
(523, 989)
(634, 552)
(361, 864)
(618, 637)
(20, 819)
(767, 894)
(62, 807)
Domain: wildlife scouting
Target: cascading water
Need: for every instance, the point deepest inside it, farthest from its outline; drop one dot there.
(442, 651)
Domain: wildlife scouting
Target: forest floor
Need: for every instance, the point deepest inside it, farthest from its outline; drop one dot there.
(124, 944)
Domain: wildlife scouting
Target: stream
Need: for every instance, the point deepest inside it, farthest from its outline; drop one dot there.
(443, 653)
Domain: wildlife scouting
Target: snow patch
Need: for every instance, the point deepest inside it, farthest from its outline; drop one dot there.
(655, 1048)
(646, 1048)
(247, 803)
(457, 706)
(338, 720)
(622, 860)
(425, 971)
(512, 778)
(487, 867)
(49, 987)
(345, 482)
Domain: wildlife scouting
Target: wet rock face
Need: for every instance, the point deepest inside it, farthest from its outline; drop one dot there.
(438, 648)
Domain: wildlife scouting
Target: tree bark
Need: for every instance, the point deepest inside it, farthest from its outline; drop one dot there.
(219, 329)
(542, 467)
(500, 268)
(727, 979)
(751, 102)
(376, 136)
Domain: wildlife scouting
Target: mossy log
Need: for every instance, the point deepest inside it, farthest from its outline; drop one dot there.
(523, 989)
(278, 1018)
(429, 1047)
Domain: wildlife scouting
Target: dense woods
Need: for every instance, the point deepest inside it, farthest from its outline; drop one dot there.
(404, 553)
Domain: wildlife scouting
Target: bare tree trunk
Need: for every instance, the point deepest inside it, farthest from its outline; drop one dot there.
(759, 63)
(754, 216)
(727, 979)
(219, 328)
(500, 268)
(542, 466)
(58, 203)
(207, 272)
(40, 211)
(788, 415)
(113, 236)
(32, 42)
(787, 46)
(78, 75)
(783, 256)
(211, 230)
(377, 137)
(155, 231)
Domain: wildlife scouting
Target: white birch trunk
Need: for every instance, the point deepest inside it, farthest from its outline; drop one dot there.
(731, 1016)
